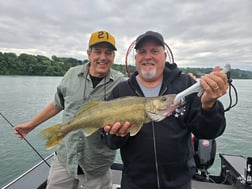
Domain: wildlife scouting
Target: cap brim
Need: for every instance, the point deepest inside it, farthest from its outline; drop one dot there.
(104, 42)
(145, 38)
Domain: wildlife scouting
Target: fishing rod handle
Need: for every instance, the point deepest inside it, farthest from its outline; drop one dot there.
(196, 88)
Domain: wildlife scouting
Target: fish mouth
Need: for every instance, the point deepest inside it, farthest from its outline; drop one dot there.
(167, 111)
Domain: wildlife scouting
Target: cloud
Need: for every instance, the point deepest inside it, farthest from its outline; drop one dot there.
(200, 33)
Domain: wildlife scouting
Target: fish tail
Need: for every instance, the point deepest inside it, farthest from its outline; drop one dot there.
(53, 135)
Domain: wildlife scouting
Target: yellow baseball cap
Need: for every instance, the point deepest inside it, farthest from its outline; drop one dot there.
(102, 37)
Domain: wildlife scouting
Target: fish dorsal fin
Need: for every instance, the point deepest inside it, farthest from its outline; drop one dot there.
(155, 117)
(88, 105)
(135, 128)
(89, 131)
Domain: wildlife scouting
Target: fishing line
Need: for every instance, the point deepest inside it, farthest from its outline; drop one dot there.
(25, 140)
(231, 86)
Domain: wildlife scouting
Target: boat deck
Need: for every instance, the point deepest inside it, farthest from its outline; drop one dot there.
(233, 165)
(195, 184)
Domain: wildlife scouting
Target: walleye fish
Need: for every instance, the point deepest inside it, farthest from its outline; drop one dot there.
(97, 114)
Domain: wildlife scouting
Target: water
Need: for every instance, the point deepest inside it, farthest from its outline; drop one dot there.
(22, 97)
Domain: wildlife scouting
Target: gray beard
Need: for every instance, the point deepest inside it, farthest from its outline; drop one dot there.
(149, 75)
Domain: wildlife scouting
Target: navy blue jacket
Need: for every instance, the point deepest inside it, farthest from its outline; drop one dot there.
(161, 154)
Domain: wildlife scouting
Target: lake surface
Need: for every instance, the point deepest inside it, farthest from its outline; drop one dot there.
(22, 97)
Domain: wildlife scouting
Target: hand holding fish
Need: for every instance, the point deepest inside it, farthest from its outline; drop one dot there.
(118, 129)
(215, 85)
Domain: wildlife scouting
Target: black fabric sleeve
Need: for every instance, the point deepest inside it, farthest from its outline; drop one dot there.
(112, 141)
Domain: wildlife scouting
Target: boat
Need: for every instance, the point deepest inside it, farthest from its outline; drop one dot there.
(235, 171)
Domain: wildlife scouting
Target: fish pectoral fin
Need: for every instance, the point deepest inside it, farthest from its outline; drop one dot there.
(135, 128)
(155, 117)
(89, 131)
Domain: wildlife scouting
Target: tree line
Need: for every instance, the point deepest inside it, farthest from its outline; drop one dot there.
(37, 65)
(25, 64)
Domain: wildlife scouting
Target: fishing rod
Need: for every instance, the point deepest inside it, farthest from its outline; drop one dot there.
(25, 140)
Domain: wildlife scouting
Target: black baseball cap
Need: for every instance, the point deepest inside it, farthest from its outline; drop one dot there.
(149, 35)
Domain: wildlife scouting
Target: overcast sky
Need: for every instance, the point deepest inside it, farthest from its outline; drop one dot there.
(200, 33)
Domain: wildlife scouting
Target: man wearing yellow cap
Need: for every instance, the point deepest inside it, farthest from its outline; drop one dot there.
(81, 162)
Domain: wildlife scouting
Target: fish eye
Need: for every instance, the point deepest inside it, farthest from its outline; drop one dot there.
(163, 99)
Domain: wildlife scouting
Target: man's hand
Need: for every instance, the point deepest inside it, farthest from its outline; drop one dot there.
(215, 85)
(22, 130)
(118, 129)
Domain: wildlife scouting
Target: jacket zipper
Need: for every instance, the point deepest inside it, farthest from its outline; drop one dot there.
(163, 91)
(155, 153)
(154, 144)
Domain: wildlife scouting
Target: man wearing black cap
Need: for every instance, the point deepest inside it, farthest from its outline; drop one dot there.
(161, 155)
(81, 162)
